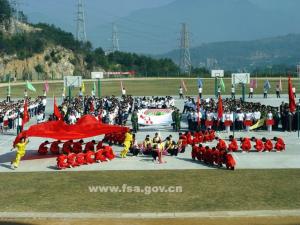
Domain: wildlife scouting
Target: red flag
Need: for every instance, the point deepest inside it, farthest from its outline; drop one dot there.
(198, 111)
(220, 108)
(183, 85)
(56, 111)
(25, 118)
(291, 96)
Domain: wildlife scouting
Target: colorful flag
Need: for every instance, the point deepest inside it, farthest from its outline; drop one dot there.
(56, 111)
(30, 86)
(220, 108)
(292, 102)
(82, 87)
(222, 85)
(280, 85)
(184, 86)
(25, 118)
(200, 83)
(46, 86)
(267, 85)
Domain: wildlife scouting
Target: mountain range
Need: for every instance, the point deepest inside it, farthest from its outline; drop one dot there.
(245, 55)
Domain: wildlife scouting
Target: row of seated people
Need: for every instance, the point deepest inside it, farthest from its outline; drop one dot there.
(72, 159)
(213, 156)
(260, 145)
(57, 147)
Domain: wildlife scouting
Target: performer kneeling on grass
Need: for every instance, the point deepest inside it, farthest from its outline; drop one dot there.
(259, 145)
(21, 150)
(233, 146)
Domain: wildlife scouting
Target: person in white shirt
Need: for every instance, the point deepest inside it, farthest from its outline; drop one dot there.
(40, 117)
(200, 92)
(277, 91)
(269, 121)
(72, 119)
(180, 92)
(294, 91)
(123, 92)
(251, 92)
(240, 120)
(232, 92)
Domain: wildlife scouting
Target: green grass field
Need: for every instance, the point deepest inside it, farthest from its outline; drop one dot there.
(203, 190)
(146, 87)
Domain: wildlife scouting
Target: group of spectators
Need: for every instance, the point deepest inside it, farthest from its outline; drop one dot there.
(11, 112)
(154, 102)
(239, 113)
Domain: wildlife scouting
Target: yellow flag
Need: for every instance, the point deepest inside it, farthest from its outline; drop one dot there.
(82, 87)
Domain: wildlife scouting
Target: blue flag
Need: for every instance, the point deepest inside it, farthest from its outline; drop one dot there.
(267, 85)
(200, 83)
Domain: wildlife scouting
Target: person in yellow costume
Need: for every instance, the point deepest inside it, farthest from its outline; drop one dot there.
(21, 150)
(127, 143)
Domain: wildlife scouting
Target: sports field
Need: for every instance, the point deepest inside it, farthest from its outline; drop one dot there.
(143, 87)
(202, 190)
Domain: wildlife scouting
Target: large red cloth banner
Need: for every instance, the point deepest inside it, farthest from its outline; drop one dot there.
(87, 126)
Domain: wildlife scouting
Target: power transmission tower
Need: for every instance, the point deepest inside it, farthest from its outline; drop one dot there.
(115, 39)
(185, 57)
(80, 27)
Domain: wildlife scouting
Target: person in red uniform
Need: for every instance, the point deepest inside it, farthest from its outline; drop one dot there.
(268, 144)
(99, 156)
(233, 146)
(108, 153)
(43, 149)
(246, 144)
(216, 157)
(222, 146)
(194, 153)
(99, 145)
(67, 147)
(230, 161)
(62, 162)
(183, 140)
(90, 146)
(77, 146)
(90, 157)
(54, 147)
(211, 135)
(210, 159)
(279, 145)
(71, 159)
(80, 159)
(201, 152)
(259, 145)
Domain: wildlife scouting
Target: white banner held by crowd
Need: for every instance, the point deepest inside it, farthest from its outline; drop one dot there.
(150, 117)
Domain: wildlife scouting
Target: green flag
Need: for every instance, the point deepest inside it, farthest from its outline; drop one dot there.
(222, 85)
(30, 86)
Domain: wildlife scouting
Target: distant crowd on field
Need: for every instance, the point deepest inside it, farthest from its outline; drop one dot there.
(237, 113)
(111, 109)
(11, 112)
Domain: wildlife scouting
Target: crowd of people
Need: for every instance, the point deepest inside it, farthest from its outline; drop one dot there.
(154, 102)
(237, 113)
(11, 112)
